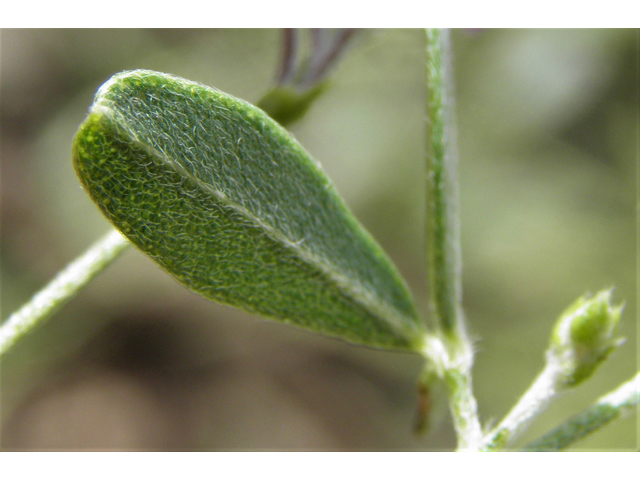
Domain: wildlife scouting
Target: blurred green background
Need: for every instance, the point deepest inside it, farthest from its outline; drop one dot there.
(548, 141)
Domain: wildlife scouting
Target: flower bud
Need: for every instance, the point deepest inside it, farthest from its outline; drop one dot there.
(583, 337)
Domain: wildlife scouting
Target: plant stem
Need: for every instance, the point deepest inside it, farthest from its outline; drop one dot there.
(449, 363)
(609, 407)
(535, 400)
(450, 354)
(62, 288)
(464, 409)
(443, 232)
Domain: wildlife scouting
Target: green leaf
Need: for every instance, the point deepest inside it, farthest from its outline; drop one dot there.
(228, 202)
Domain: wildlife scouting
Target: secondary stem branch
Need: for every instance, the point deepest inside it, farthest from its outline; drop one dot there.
(613, 405)
(535, 400)
(62, 288)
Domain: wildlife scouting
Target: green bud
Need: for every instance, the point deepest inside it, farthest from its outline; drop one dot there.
(583, 337)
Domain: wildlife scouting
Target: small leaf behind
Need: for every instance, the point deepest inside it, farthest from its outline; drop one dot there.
(228, 202)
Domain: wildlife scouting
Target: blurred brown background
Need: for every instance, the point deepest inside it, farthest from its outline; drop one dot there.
(548, 140)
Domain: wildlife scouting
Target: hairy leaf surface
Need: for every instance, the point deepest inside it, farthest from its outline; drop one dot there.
(223, 198)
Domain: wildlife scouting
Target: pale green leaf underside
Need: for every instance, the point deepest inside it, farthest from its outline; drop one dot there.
(228, 202)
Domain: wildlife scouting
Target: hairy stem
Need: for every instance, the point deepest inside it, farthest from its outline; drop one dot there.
(535, 400)
(62, 288)
(450, 355)
(464, 408)
(449, 363)
(443, 232)
(614, 405)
